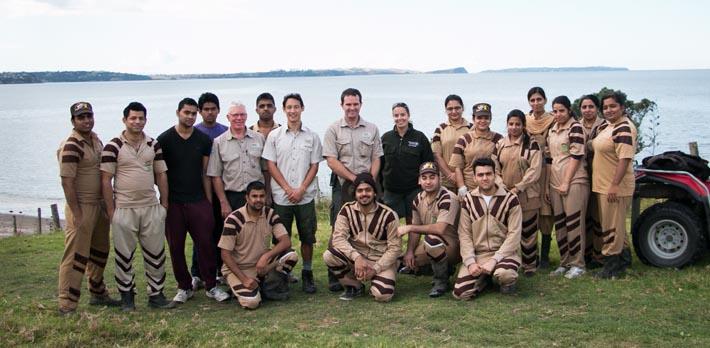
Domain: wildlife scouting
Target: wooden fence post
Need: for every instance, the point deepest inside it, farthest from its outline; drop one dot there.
(14, 223)
(55, 217)
(39, 220)
(693, 146)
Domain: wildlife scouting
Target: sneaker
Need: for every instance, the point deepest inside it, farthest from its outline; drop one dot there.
(574, 272)
(558, 271)
(159, 301)
(218, 294)
(197, 284)
(104, 300)
(508, 289)
(308, 285)
(405, 270)
(352, 292)
(183, 295)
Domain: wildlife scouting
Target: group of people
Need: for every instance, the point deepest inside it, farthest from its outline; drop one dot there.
(477, 197)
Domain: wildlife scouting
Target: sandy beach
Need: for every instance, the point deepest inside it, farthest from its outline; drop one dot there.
(26, 224)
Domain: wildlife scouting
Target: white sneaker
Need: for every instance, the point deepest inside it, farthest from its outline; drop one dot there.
(218, 294)
(197, 283)
(183, 295)
(558, 272)
(574, 272)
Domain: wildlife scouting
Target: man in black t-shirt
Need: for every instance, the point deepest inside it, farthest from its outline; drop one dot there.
(186, 152)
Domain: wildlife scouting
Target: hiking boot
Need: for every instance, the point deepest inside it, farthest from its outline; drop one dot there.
(104, 300)
(594, 264)
(439, 287)
(197, 283)
(558, 271)
(127, 301)
(160, 302)
(352, 292)
(545, 251)
(441, 278)
(183, 295)
(275, 286)
(218, 294)
(308, 285)
(509, 289)
(611, 267)
(574, 272)
(333, 283)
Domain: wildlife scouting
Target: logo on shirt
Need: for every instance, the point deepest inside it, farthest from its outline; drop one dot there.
(412, 143)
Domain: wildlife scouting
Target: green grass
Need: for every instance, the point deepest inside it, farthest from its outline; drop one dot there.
(649, 307)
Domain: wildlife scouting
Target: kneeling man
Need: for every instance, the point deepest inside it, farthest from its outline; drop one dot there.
(365, 244)
(250, 267)
(489, 232)
(435, 215)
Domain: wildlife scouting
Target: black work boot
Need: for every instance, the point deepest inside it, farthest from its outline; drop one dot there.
(545, 251)
(104, 300)
(160, 302)
(440, 284)
(611, 266)
(308, 285)
(333, 283)
(275, 286)
(511, 289)
(127, 301)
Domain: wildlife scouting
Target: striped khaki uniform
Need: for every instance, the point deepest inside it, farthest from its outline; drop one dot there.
(373, 236)
(86, 245)
(443, 143)
(613, 143)
(593, 228)
(138, 218)
(444, 207)
(247, 239)
(538, 129)
(567, 142)
(520, 166)
(488, 232)
(470, 147)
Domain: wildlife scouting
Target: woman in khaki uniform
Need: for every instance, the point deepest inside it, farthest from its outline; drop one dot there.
(569, 187)
(538, 123)
(613, 182)
(518, 159)
(591, 119)
(445, 137)
(478, 143)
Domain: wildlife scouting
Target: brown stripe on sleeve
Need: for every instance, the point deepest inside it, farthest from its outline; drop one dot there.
(231, 226)
(70, 159)
(623, 139)
(73, 147)
(460, 146)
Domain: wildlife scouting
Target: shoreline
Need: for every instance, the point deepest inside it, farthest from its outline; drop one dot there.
(27, 224)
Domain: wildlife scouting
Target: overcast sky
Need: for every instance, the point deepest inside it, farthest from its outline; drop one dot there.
(222, 36)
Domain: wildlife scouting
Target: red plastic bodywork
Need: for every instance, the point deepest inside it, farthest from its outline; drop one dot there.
(681, 178)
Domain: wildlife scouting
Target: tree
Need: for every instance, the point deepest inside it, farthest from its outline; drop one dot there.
(637, 112)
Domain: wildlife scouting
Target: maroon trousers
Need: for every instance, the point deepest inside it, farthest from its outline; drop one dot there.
(196, 219)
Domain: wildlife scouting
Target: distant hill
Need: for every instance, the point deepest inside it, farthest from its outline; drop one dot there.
(83, 76)
(562, 69)
(67, 76)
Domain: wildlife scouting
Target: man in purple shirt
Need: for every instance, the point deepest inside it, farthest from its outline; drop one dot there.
(208, 106)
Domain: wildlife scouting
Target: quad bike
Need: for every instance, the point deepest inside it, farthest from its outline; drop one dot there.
(674, 232)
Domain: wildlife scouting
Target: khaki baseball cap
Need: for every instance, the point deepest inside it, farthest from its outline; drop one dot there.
(482, 109)
(428, 167)
(81, 108)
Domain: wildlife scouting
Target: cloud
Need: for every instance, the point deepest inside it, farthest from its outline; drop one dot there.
(158, 8)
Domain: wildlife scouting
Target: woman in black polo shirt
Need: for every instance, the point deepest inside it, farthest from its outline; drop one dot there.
(405, 149)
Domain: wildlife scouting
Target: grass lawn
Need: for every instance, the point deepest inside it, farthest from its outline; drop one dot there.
(649, 307)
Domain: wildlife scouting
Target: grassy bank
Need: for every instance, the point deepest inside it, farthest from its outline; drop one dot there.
(650, 307)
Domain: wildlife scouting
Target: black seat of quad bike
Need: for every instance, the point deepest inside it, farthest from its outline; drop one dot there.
(678, 160)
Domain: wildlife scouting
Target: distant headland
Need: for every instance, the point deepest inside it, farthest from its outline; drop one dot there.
(551, 69)
(85, 76)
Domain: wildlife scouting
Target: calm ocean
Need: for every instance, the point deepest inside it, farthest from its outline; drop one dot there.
(36, 116)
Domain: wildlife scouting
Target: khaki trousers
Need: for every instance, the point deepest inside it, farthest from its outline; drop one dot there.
(570, 211)
(505, 273)
(613, 223)
(251, 299)
(434, 248)
(382, 284)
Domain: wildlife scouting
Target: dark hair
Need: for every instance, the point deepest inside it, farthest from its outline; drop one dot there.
(266, 96)
(293, 96)
(186, 101)
(483, 162)
(591, 97)
(401, 105)
(134, 106)
(255, 185)
(350, 92)
(617, 96)
(536, 90)
(564, 101)
(519, 114)
(207, 97)
(451, 97)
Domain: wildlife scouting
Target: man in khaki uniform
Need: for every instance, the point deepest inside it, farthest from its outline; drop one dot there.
(435, 215)
(86, 241)
(350, 145)
(250, 267)
(235, 160)
(134, 162)
(490, 226)
(365, 244)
